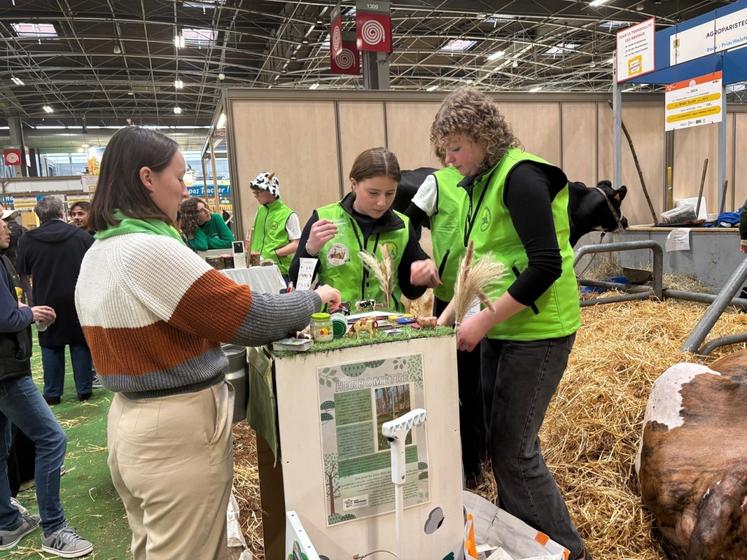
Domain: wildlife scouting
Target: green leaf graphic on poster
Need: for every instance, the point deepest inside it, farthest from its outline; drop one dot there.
(339, 518)
(328, 377)
(326, 407)
(415, 370)
(375, 363)
(353, 370)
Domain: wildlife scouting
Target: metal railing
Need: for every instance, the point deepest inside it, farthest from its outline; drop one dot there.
(718, 302)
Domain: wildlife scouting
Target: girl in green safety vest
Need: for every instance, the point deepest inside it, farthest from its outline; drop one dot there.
(364, 221)
(276, 227)
(516, 213)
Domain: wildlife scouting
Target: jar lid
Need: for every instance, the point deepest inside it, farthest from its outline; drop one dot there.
(320, 316)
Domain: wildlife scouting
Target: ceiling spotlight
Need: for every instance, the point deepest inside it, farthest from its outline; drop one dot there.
(48, 109)
(595, 3)
(130, 93)
(431, 88)
(17, 81)
(177, 110)
(314, 86)
(221, 76)
(179, 41)
(496, 55)
(178, 84)
(117, 49)
(535, 89)
(515, 64)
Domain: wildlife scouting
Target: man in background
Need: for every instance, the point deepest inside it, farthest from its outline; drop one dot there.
(51, 254)
(79, 215)
(10, 217)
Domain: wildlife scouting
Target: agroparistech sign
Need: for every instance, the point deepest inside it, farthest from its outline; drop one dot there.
(693, 102)
(723, 33)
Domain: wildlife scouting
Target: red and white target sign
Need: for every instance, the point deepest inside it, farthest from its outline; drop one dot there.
(373, 29)
(335, 32)
(12, 157)
(348, 61)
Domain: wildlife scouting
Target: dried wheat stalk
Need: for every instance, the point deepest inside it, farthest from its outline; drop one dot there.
(382, 271)
(472, 280)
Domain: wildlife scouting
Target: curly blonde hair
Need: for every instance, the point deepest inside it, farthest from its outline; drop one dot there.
(470, 112)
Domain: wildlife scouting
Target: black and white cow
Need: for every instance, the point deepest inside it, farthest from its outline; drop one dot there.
(588, 208)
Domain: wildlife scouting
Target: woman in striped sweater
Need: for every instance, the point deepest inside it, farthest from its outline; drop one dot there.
(154, 314)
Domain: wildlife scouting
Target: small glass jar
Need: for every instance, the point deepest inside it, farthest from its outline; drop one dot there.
(321, 327)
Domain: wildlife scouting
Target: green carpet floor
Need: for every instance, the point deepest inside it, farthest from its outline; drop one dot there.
(91, 503)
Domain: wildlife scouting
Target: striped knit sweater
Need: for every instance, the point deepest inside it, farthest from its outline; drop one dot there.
(153, 314)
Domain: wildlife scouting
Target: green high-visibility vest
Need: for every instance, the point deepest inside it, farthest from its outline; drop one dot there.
(556, 312)
(340, 264)
(270, 233)
(446, 226)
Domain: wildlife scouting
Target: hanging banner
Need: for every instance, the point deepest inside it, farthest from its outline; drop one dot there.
(694, 102)
(635, 50)
(373, 26)
(723, 33)
(348, 61)
(12, 157)
(335, 32)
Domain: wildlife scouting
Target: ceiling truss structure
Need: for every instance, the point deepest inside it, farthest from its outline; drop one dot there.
(113, 62)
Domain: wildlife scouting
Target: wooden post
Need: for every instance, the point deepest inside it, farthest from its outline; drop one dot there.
(215, 177)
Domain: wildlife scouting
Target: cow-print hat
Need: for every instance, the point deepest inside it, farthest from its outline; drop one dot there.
(267, 181)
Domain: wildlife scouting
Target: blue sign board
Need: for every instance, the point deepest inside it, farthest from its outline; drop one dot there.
(197, 190)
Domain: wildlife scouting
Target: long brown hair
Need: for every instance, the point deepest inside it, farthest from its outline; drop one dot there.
(188, 217)
(375, 162)
(119, 185)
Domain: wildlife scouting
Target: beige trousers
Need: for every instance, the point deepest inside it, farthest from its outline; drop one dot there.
(171, 461)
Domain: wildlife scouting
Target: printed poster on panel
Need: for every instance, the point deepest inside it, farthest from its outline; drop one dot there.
(354, 401)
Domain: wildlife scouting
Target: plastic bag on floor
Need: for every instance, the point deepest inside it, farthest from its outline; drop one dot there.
(235, 536)
(497, 528)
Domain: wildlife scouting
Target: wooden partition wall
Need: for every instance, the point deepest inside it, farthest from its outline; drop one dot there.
(310, 139)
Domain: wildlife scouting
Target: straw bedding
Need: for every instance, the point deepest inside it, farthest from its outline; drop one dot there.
(592, 428)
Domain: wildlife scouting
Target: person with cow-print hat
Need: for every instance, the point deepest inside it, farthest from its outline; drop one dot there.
(276, 227)
(517, 214)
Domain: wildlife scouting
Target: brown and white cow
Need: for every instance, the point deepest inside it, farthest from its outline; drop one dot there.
(692, 462)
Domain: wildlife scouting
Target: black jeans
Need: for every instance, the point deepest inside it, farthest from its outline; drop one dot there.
(519, 379)
(471, 416)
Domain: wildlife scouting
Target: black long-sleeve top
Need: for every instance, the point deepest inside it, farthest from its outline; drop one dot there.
(369, 226)
(528, 195)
